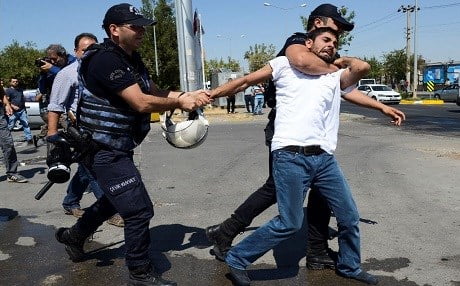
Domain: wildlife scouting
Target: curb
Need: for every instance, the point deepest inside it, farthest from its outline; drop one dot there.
(423, 101)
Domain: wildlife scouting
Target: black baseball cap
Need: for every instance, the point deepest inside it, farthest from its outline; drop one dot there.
(331, 11)
(125, 14)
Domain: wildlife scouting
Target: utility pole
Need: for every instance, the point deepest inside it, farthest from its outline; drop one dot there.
(414, 93)
(408, 9)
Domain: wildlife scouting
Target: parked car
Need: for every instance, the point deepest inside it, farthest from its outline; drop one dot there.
(458, 99)
(33, 111)
(448, 93)
(364, 81)
(380, 92)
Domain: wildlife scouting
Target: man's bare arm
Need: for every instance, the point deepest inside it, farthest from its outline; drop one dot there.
(355, 69)
(358, 98)
(307, 62)
(240, 84)
(163, 100)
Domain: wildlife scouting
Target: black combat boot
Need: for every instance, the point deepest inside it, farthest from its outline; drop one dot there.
(324, 259)
(73, 243)
(144, 276)
(222, 235)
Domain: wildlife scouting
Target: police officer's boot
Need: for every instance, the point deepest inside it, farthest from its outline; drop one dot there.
(318, 259)
(73, 241)
(144, 276)
(222, 235)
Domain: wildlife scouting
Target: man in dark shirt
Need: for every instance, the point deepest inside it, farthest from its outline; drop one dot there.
(16, 97)
(10, 158)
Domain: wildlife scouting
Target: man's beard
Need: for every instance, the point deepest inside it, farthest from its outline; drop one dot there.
(325, 57)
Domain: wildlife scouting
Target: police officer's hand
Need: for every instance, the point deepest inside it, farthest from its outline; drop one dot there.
(190, 101)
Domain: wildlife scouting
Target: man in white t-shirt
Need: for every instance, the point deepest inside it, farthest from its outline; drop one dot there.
(306, 128)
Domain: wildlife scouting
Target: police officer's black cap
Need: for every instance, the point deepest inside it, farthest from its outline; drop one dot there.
(331, 11)
(126, 14)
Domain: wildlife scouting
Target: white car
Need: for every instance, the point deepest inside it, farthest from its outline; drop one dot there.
(380, 92)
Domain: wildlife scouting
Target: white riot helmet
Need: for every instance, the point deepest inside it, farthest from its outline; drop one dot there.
(187, 134)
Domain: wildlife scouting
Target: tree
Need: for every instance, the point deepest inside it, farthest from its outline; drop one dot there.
(346, 38)
(259, 55)
(166, 41)
(394, 65)
(376, 71)
(215, 65)
(18, 61)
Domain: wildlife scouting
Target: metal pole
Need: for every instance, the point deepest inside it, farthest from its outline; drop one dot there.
(155, 45)
(181, 47)
(408, 49)
(414, 93)
(185, 38)
(202, 54)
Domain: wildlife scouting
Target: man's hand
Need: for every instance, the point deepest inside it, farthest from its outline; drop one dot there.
(190, 101)
(342, 62)
(14, 107)
(397, 115)
(46, 67)
(8, 110)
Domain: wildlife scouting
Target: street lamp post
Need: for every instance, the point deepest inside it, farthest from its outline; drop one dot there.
(285, 9)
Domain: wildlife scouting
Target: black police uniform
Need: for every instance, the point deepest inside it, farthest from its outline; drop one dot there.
(108, 71)
(318, 211)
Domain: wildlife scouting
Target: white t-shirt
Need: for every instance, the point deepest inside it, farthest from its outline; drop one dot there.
(307, 107)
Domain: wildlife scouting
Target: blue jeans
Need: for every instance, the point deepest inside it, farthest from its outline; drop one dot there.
(77, 186)
(21, 115)
(294, 173)
(258, 103)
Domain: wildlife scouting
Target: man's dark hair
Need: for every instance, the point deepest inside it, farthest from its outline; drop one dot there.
(58, 49)
(83, 35)
(316, 32)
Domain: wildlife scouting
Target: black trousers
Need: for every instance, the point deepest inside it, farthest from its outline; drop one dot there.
(231, 104)
(125, 193)
(318, 211)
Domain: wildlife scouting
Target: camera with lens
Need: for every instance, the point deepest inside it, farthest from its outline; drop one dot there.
(41, 61)
(65, 148)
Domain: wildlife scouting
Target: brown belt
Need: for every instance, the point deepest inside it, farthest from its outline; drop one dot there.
(305, 150)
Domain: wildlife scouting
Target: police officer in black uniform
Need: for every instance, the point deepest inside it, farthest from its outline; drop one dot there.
(116, 101)
(319, 256)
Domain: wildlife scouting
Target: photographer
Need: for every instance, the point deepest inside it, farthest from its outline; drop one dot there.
(56, 59)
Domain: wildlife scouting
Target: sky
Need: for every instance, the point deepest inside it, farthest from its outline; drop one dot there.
(379, 28)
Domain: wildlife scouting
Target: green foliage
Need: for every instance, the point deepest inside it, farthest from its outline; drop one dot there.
(166, 41)
(215, 65)
(394, 65)
(346, 37)
(18, 61)
(259, 55)
(376, 68)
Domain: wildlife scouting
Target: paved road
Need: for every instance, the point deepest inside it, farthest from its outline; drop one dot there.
(400, 181)
(442, 120)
